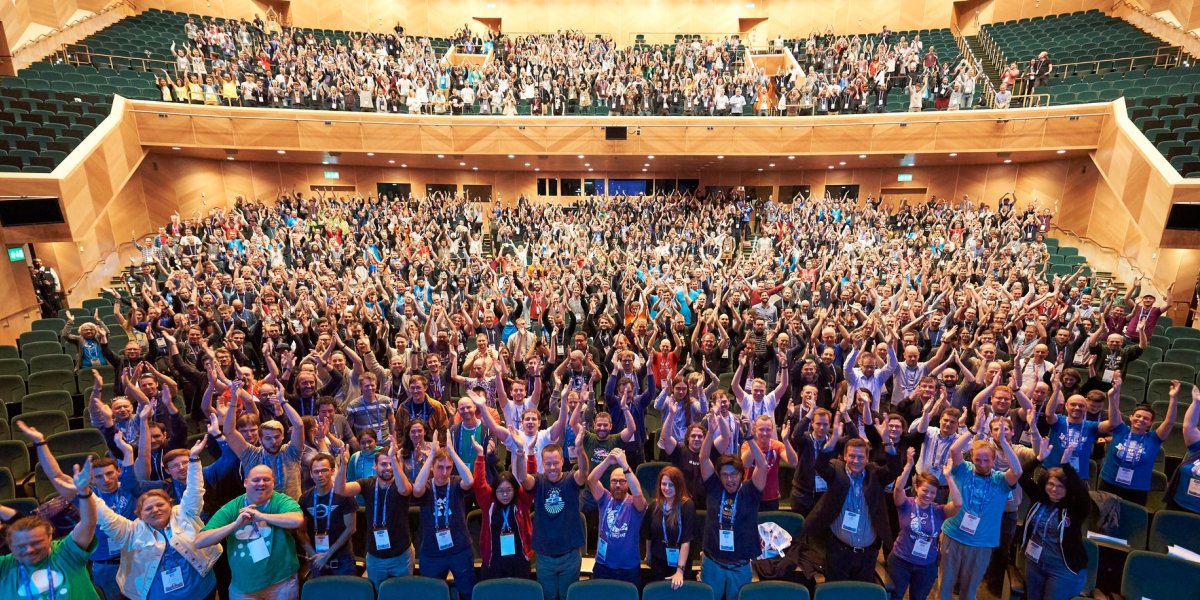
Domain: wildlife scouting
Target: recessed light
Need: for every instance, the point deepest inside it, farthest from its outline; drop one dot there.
(862, 155)
(474, 168)
(791, 158)
(281, 151)
(760, 168)
(1062, 152)
(720, 157)
(391, 162)
(590, 170)
(370, 154)
(953, 154)
(643, 170)
(462, 164)
(579, 155)
(537, 169)
(587, 164)
(228, 158)
(512, 156)
(830, 166)
(176, 148)
(651, 157)
(527, 164)
(403, 165)
(441, 156)
(771, 165)
(324, 162)
(1007, 161)
(843, 163)
(645, 164)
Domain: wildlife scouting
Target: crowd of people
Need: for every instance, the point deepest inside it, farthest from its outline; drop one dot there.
(911, 362)
(562, 73)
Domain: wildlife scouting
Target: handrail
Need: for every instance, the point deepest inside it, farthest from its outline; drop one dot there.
(69, 25)
(989, 90)
(1149, 15)
(1038, 100)
(71, 52)
(1119, 255)
(1160, 58)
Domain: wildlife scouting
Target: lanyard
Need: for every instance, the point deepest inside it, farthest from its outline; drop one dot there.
(678, 531)
(856, 491)
(27, 581)
(312, 406)
(932, 529)
(446, 515)
(504, 515)
(732, 510)
(378, 524)
(328, 512)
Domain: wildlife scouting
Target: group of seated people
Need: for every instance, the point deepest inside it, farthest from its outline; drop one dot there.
(910, 361)
(562, 73)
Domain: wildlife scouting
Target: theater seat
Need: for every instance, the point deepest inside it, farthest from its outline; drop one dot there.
(423, 588)
(340, 587)
(773, 590)
(1150, 575)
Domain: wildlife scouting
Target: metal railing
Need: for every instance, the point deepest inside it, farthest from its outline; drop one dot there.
(53, 32)
(989, 90)
(1028, 100)
(1164, 56)
(1143, 13)
(80, 54)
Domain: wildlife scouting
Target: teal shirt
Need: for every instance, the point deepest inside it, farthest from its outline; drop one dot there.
(65, 569)
(280, 564)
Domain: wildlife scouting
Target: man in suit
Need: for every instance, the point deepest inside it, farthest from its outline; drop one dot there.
(1041, 71)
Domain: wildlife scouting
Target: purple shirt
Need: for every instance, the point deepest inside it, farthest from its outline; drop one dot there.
(1138, 314)
(620, 530)
(918, 527)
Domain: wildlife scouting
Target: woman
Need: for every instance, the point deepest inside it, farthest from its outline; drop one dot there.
(158, 556)
(913, 563)
(1183, 493)
(1055, 559)
(415, 448)
(506, 531)
(669, 528)
(1129, 460)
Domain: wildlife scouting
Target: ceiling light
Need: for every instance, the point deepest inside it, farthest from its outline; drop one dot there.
(843, 163)
(580, 155)
(760, 168)
(281, 151)
(830, 166)
(643, 170)
(645, 164)
(651, 157)
(403, 165)
(953, 154)
(791, 158)
(370, 154)
(1062, 152)
(862, 155)
(474, 168)
(175, 148)
(324, 162)
(1007, 161)
(587, 164)
(441, 156)
(590, 170)
(527, 164)
(462, 164)
(537, 169)
(391, 162)
(511, 156)
(228, 158)
(720, 157)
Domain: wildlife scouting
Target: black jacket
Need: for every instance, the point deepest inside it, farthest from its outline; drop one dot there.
(1076, 505)
(825, 513)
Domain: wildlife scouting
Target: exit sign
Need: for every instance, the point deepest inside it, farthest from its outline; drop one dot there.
(904, 177)
(16, 254)
(332, 175)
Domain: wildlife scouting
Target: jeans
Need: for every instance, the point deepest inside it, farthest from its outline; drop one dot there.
(556, 573)
(461, 563)
(288, 589)
(962, 565)
(104, 575)
(381, 569)
(345, 566)
(633, 576)
(726, 581)
(844, 563)
(1050, 579)
(917, 580)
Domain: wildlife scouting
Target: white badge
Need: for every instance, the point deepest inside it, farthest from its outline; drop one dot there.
(672, 557)
(172, 580)
(571, 453)
(819, 484)
(444, 539)
(726, 540)
(1194, 487)
(969, 523)
(850, 521)
(322, 542)
(508, 544)
(560, 350)
(382, 540)
(725, 352)
(1034, 552)
(258, 549)
(921, 547)
(1107, 377)
(601, 548)
(1124, 475)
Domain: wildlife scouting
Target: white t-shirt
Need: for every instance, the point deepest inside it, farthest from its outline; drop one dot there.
(535, 446)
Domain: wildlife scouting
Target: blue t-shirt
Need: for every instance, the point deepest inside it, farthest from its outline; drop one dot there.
(442, 508)
(1130, 458)
(919, 525)
(1063, 434)
(191, 585)
(984, 497)
(620, 532)
(123, 502)
(556, 511)
(1187, 494)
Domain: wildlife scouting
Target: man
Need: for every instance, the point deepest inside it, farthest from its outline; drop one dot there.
(468, 431)
(756, 401)
(599, 442)
(420, 405)
(1075, 430)
(40, 568)
(684, 456)
(559, 534)
(936, 448)
(852, 515)
(618, 549)
(635, 407)
(730, 525)
(445, 541)
(371, 410)
(177, 465)
(385, 498)
(527, 438)
(282, 459)
(329, 521)
(867, 374)
(261, 551)
(808, 436)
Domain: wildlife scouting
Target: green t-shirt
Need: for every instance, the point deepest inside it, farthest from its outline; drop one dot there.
(597, 450)
(279, 564)
(66, 568)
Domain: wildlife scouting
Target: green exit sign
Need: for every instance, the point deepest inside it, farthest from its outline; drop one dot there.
(904, 177)
(16, 254)
(332, 175)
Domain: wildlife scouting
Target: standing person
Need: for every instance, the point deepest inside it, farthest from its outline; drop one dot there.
(559, 534)
(808, 436)
(684, 456)
(971, 534)
(618, 549)
(329, 521)
(1129, 460)
(1076, 430)
(258, 528)
(913, 563)
(765, 437)
(41, 568)
(731, 522)
(159, 558)
(506, 529)
(1183, 491)
(283, 459)
(445, 542)
(385, 497)
(669, 529)
(1055, 559)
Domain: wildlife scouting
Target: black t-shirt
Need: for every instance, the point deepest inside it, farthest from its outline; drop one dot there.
(689, 462)
(663, 533)
(325, 514)
(556, 516)
(442, 507)
(500, 526)
(391, 513)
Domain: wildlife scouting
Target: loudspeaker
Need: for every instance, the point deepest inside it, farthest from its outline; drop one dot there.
(616, 133)
(15, 212)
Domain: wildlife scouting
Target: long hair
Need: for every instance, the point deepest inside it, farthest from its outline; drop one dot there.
(501, 478)
(681, 491)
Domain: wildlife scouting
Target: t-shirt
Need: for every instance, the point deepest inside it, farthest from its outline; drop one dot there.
(1129, 460)
(374, 415)
(66, 568)
(984, 497)
(661, 533)
(540, 441)
(557, 528)
(123, 502)
(280, 563)
(689, 463)
(598, 450)
(190, 585)
(919, 530)
(442, 508)
(620, 533)
(1062, 434)
(325, 514)
(737, 511)
(386, 509)
(285, 465)
(1187, 492)
(771, 489)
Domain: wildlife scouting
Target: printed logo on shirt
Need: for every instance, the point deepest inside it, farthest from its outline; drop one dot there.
(554, 502)
(41, 582)
(611, 519)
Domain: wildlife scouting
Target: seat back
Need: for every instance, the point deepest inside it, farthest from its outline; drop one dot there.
(79, 441)
(410, 588)
(46, 421)
(14, 366)
(59, 379)
(34, 349)
(12, 388)
(850, 590)
(341, 587)
(789, 521)
(52, 362)
(602, 589)
(1151, 575)
(49, 400)
(1174, 528)
(690, 590)
(773, 590)
(506, 588)
(14, 456)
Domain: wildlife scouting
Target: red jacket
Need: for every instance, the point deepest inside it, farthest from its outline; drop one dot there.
(483, 497)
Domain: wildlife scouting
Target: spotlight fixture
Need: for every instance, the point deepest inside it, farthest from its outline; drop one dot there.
(953, 154)
(370, 154)
(391, 162)
(862, 155)
(720, 157)
(441, 156)
(1061, 152)
(512, 156)
(791, 158)
(843, 163)
(281, 151)
(403, 165)
(830, 166)
(771, 165)
(176, 148)
(1008, 161)
(579, 156)
(651, 157)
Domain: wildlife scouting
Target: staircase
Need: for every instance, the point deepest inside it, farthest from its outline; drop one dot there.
(990, 69)
(489, 249)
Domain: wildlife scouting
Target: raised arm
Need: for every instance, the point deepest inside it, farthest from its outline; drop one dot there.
(1164, 428)
(899, 498)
